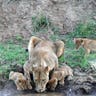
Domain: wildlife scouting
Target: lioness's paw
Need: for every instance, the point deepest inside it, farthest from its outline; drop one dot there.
(19, 89)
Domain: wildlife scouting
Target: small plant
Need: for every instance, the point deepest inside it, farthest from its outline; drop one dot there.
(18, 37)
(40, 22)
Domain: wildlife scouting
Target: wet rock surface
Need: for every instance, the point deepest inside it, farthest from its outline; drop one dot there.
(79, 85)
(82, 83)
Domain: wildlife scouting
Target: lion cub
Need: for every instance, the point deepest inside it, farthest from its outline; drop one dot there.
(59, 75)
(88, 44)
(19, 80)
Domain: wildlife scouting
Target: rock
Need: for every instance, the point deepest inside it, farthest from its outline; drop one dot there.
(93, 64)
(84, 82)
(2, 83)
(78, 72)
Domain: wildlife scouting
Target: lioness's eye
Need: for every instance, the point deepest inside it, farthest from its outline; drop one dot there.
(43, 80)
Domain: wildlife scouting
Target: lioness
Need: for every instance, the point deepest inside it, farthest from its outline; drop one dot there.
(43, 57)
(20, 81)
(88, 44)
(59, 74)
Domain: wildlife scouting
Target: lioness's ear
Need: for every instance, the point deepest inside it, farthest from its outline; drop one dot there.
(47, 69)
(59, 48)
(19, 80)
(33, 42)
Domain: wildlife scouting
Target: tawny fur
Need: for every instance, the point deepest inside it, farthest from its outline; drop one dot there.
(43, 55)
(20, 81)
(59, 75)
(88, 44)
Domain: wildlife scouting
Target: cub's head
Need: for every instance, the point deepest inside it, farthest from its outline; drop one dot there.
(78, 42)
(41, 78)
(22, 82)
(52, 84)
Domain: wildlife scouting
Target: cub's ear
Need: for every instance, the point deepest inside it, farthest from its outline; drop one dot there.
(59, 45)
(20, 80)
(33, 42)
(11, 75)
(51, 81)
(47, 69)
(33, 68)
(12, 72)
(82, 42)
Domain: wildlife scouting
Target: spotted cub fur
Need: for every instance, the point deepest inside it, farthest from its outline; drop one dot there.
(59, 75)
(20, 81)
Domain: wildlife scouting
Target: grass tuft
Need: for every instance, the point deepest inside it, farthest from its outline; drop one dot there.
(40, 22)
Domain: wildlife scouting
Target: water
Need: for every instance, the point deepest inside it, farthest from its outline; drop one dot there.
(10, 90)
(7, 93)
(47, 94)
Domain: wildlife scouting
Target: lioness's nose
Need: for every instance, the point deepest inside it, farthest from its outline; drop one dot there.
(40, 90)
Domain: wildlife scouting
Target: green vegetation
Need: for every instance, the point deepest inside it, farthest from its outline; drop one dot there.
(42, 24)
(87, 30)
(12, 52)
(75, 57)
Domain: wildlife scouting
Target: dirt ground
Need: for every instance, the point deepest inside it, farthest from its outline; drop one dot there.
(16, 15)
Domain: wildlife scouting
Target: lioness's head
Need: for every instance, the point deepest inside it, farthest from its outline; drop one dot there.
(41, 77)
(79, 42)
